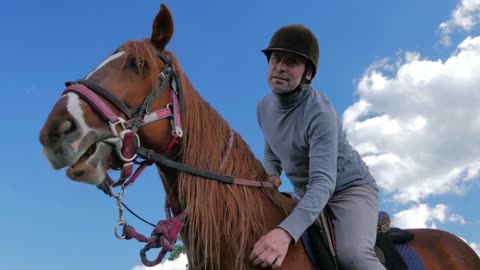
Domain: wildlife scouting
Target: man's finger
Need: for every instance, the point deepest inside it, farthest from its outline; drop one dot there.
(258, 248)
(278, 263)
(253, 255)
(269, 260)
(260, 259)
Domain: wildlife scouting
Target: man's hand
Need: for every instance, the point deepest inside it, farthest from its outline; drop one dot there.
(275, 180)
(271, 249)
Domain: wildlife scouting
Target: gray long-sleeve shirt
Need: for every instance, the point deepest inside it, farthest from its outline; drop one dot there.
(304, 138)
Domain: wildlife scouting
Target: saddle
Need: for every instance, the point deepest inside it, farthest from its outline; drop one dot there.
(320, 242)
(387, 238)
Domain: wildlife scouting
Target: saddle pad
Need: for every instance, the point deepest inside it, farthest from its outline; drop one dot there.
(307, 243)
(410, 256)
(317, 250)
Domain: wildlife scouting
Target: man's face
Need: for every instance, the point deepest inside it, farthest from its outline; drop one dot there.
(285, 71)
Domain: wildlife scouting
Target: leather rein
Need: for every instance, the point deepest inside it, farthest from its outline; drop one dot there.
(128, 148)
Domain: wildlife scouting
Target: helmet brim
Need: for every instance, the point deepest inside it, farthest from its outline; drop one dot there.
(270, 50)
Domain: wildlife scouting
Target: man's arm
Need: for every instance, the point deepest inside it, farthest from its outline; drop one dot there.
(271, 162)
(322, 136)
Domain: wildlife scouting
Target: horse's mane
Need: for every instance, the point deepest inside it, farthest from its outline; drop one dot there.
(221, 219)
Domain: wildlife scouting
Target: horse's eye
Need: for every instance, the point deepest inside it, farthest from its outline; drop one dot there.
(136, 65)
(133, 63)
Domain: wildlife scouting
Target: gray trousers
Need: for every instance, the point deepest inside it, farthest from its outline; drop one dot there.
(355, 224)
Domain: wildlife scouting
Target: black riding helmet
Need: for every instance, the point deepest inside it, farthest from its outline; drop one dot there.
(298, 39)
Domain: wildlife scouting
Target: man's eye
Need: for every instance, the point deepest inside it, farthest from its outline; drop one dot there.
(276, 58)
(291, 62)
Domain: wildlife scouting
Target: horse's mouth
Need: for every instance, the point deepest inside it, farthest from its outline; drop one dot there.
(91, 150)
(92, 165)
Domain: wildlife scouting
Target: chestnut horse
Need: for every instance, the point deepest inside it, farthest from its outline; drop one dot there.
(167, 122)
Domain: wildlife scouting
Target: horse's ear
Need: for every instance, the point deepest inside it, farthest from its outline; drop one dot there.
(162, 28)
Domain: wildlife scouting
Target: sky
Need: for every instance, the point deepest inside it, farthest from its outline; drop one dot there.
(402, 75)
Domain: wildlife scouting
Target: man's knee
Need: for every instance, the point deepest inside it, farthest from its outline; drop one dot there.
(352, 258)
(349, 256)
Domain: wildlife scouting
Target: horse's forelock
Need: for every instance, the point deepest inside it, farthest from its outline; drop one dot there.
(146, 54)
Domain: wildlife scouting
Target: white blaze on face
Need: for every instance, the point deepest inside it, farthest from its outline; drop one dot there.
(96, 172)
(106, 61)
(75, 109)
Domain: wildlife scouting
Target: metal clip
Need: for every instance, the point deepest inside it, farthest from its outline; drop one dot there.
(120, 221)
(115, 230)
(162, 76)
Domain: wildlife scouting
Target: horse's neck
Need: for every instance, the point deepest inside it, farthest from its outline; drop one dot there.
(169, 180)
(214, 209)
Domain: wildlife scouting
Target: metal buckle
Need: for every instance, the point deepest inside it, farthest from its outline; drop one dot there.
(117, 142)
(113, 128)
(177, 131)
(119, 148)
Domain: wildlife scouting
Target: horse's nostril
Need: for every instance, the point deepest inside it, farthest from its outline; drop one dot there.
(67, 127)
(55, 135)
(64, 129)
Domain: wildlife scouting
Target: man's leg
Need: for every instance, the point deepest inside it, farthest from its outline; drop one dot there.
(355, 213)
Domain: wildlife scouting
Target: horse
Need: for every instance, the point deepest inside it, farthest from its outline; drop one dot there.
(139, 103)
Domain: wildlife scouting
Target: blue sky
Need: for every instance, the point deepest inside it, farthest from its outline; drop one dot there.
(401, 73)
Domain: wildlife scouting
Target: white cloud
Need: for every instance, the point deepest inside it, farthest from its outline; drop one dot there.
(178, 264)
(465, 16)
(418, 127)
(475, 247)
(422, 216)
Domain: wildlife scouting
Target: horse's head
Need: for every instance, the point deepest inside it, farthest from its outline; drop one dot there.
(94, 124)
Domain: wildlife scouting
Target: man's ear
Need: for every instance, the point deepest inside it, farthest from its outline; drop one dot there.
(308, 76)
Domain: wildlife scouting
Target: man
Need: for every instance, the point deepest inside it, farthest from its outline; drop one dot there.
(304, 138)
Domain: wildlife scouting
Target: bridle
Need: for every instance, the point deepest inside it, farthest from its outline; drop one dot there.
(128, 148)
(127, 140)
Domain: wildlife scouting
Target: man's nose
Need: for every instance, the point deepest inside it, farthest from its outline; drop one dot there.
(281, 66)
